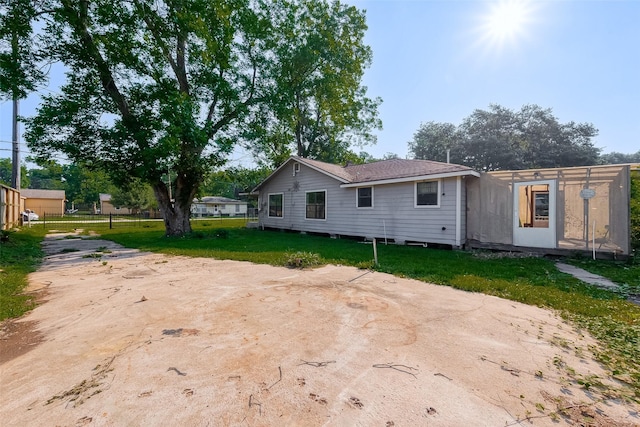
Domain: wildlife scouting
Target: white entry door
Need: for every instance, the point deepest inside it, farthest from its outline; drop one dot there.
(534, 214)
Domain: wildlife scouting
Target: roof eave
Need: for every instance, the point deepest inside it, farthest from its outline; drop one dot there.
(411, 178)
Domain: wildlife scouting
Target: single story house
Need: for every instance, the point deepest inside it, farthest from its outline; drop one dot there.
(427, 202)
(108, 208)
(218, 206)
(44, 202)
(403, 201)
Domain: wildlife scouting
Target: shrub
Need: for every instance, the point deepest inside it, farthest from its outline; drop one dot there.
(302, 260)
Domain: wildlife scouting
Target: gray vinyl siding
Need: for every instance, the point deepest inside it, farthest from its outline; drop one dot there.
(463, 210)
(393, 215)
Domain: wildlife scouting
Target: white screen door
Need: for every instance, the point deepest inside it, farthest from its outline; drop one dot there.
(534, 214)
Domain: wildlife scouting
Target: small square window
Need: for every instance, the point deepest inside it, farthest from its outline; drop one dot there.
(427, 193)
(365, 197)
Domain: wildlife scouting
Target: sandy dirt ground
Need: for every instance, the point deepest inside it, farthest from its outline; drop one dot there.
(124, 338)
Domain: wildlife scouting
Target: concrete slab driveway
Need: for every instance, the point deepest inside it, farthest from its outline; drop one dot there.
(131, 338)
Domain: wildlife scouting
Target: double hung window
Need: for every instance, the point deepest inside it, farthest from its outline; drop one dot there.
(316, 207)
(276, 205)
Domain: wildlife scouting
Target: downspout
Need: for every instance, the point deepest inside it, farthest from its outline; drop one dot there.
(458, 210)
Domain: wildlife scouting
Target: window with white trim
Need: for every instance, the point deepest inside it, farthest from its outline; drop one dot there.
(316, 207)
(427, 193)
(276, 203)
(364, 197)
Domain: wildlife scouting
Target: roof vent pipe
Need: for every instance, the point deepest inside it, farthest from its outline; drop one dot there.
(448, 155)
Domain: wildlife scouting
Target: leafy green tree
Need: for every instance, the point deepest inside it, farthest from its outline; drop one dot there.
(135, 196)
(499, 138)
(432, 140)
(490, 140)
(153, 87)
(233, 181)
(161, 87)
(547, 143)
(6, 171)
(49, 176)
(615, 158)
(20, 72)
(83, 185)
(320, 108)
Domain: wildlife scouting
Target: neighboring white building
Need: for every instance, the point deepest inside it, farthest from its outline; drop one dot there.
(218, 206)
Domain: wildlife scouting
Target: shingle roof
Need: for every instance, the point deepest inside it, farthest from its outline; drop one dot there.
(385, 169)
(336, 170)
(31, 193)
(394, 170)
(400, 168)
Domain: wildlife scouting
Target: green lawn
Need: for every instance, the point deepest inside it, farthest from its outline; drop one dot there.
(536, 281)
(20, 254)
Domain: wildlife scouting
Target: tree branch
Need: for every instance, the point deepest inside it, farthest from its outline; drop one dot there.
(78, 21)
(227, 118)
(177, 65)
(214, 103)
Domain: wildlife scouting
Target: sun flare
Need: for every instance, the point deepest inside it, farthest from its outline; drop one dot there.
(506, 21)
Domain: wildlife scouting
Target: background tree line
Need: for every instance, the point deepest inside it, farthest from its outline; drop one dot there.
(501, 139)
(83, 185)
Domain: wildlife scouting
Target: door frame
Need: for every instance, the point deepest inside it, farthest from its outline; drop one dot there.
(536, 237)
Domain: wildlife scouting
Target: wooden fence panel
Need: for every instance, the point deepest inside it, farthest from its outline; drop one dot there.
(9, 207)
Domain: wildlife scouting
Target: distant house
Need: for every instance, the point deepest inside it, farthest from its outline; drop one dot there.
(106, 207)
(44, 202)
(403, 201)
(218, 206)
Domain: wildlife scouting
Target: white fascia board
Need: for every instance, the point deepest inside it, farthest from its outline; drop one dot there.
(411, 179)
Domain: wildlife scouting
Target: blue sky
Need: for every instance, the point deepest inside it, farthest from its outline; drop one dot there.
(438, 60)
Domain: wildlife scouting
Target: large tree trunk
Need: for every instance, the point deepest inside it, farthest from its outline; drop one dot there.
(175, 213)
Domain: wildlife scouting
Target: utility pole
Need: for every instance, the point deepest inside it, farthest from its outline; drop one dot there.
(15, 159)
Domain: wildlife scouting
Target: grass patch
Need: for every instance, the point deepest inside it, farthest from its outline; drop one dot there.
(20, 254)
